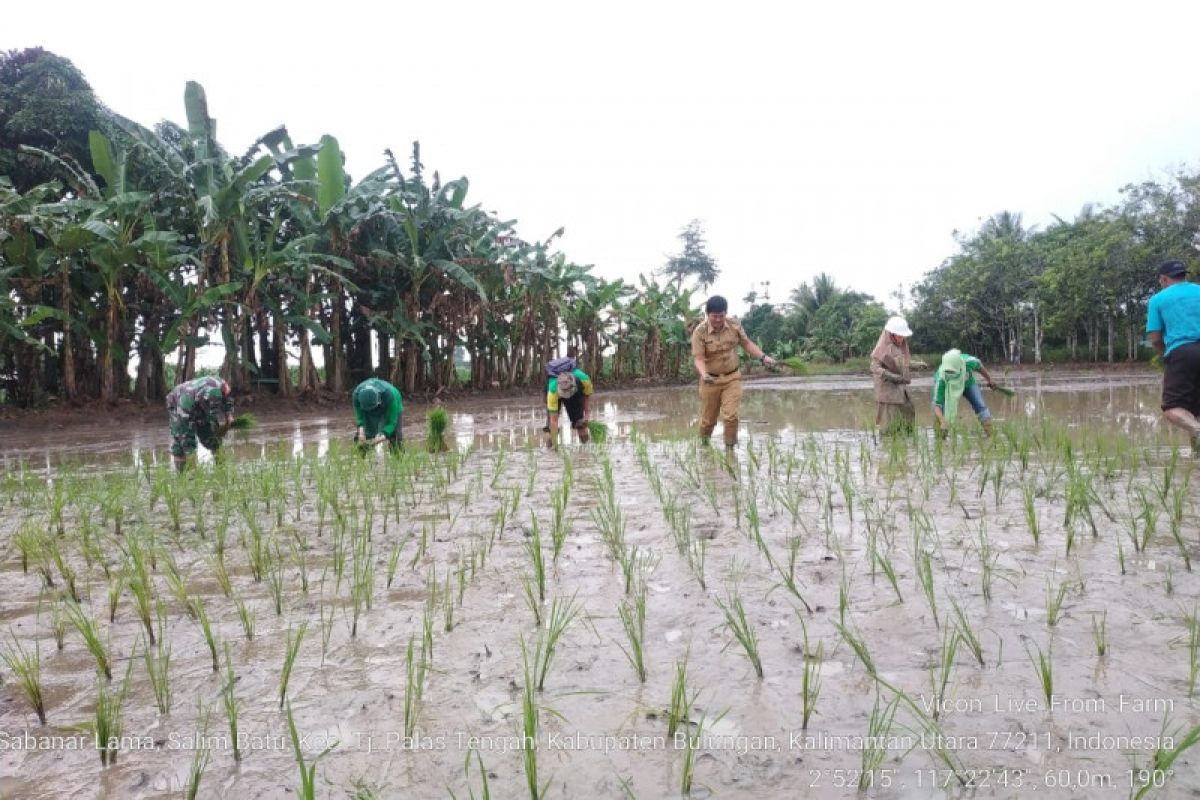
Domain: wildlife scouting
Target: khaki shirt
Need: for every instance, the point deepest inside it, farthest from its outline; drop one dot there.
(719, 349)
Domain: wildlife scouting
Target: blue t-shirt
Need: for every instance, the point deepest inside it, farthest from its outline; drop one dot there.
(1175, 312)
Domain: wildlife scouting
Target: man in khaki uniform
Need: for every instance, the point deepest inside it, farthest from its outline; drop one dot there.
(715, 345)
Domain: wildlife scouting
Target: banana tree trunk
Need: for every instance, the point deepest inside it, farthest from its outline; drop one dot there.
(336, 371)
(107, 390)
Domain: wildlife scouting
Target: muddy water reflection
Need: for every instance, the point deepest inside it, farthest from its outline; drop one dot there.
(1126, 401)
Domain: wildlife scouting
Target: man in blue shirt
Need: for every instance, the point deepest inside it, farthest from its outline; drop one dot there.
(1173, 323)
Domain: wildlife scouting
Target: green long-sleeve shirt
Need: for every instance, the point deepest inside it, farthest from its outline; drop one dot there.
(972, 364)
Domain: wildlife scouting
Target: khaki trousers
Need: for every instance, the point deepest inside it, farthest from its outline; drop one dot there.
(724, 396)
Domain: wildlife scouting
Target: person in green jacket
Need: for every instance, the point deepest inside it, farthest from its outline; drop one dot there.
(954, 380)
(377, 410)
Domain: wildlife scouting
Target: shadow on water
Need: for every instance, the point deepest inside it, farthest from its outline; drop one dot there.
(787, 406)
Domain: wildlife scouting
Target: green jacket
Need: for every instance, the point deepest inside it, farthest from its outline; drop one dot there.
(382, 419)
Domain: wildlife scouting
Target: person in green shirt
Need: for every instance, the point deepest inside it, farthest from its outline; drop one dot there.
(570, 389)
(377, 410)
(954, 379)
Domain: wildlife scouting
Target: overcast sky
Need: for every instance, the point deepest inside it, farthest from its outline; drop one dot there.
(845, 137)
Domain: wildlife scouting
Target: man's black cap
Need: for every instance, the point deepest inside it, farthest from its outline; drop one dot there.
(1173, 269)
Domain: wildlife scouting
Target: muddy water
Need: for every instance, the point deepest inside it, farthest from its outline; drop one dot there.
(848, 504)
(1127, 401)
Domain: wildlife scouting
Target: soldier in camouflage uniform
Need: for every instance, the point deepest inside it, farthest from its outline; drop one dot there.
(199, 409)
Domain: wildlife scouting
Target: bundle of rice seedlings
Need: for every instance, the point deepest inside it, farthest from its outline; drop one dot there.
(597, 431)
(1007, 391)
(438, 421)
(244, 422)
(796, 364)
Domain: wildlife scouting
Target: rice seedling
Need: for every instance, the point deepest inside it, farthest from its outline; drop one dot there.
(1028, 493)
(633, 621)
(1054, 601)
(415, 666)
(1178, 498)
(307, 789)
(844, 594)
(422, 546)
(742, 630)
(158, 669)
(393, 561)
(966, 632)
(64, 569)
(210, 638)
(447, 603)
(679, 711)
(116, 587)
(879, 728)
(90, 632)
(688, 768)
(58, 624)
(531, 600)
(558, 520)
(275, 579)
(941, 673)
(232, 706)
(362, 583)
(1192, 646)
(932, 735)
(697, 553)
(533, 548)
(1100, 633)
(485, 792)
(532, 472)
(108, 723)
(291, 650)
(27, 668)
(810, 686)
(562, 613)
(437, 421)
(142, 589)
(889, 571)
(28, 543)
(530, 720)
(202, 754)
(326, 628)
(1162, 763)
(176, 584)
(859, 646)
(925, 579)
(1043, 665)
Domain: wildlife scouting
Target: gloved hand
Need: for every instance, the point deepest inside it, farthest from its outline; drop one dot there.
(895, 377)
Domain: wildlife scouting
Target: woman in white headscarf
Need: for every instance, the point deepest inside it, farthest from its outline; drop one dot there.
(954, 380)
(891, 364)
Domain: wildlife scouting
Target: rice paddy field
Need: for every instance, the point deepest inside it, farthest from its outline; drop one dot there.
(821, 613)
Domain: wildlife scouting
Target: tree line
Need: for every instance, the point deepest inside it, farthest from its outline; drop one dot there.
(124, 249)
(1073, 291)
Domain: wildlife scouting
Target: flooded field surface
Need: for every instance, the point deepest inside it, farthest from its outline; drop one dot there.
(820, 613)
